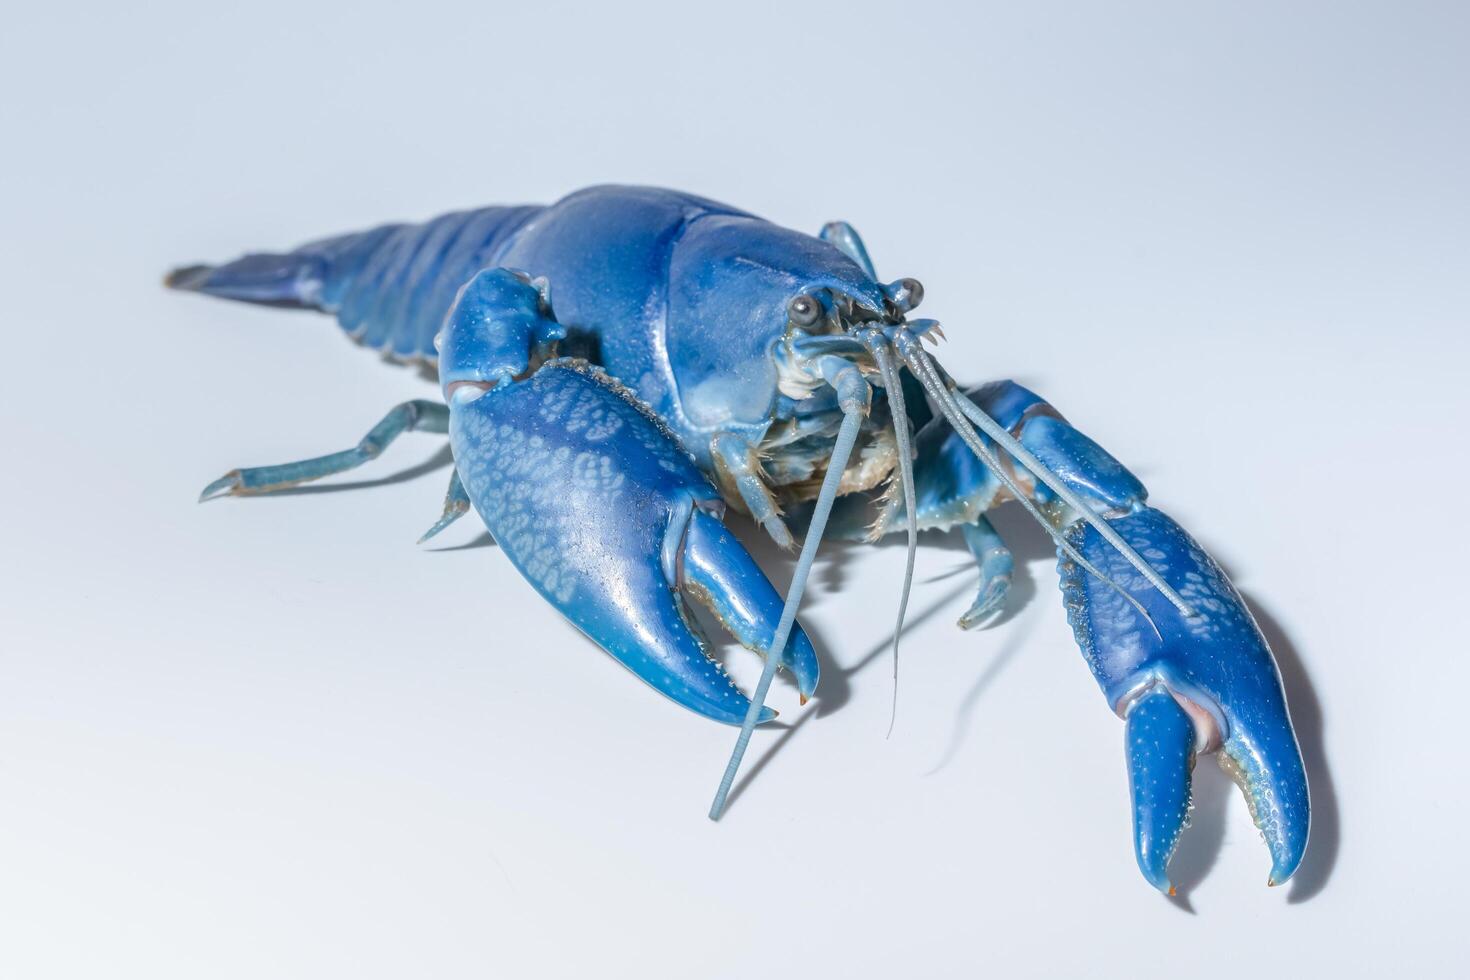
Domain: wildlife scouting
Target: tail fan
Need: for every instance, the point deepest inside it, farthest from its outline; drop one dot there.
(310, 277)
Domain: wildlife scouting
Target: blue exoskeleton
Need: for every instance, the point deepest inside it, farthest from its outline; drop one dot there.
(620, 366)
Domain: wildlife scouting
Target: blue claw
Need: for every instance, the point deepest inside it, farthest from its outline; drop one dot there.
(1160, 741)
(720, 573)
(1216, 666)
(601, 511)
(1264, 760)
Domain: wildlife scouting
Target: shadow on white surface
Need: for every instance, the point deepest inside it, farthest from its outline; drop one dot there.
(1198, 850)
(1306, 718)
(1214, 793)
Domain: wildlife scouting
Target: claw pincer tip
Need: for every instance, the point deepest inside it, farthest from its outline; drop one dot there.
(1218, 663)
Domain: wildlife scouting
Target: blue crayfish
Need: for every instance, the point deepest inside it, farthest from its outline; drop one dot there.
(622, 365)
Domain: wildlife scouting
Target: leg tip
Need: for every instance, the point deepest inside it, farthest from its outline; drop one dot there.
(779, 533)
(990, 602)
(222, 487)
(977, 616)
(449, 518)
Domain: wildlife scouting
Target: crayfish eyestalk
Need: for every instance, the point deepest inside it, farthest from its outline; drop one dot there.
(905, 294)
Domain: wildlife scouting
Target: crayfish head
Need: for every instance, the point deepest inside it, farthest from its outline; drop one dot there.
(737, 288)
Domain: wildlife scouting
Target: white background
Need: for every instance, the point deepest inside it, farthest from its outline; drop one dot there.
(273, 738)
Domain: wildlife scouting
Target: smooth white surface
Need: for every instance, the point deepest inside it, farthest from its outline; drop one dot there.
(273, 738)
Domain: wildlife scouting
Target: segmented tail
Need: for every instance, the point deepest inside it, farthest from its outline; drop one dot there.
(390, 287)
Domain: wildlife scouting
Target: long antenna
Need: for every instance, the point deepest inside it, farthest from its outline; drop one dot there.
(846, 437)
(1024, 456)
(893, 385)
(923, 369)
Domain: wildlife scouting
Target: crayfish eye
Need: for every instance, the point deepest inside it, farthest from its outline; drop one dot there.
(804, 310)
(909, 294)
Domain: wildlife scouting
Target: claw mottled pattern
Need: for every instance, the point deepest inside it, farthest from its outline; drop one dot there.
(611, 358)
(591, 500)
(1217, 661)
